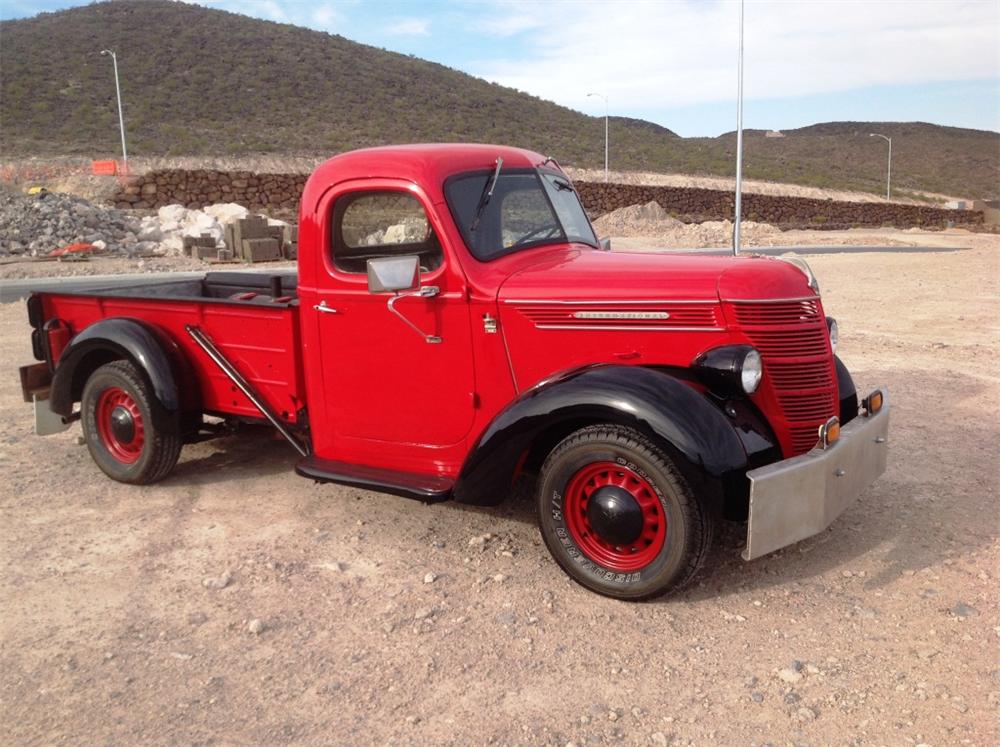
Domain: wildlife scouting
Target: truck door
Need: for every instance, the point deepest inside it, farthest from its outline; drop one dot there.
(384, 383)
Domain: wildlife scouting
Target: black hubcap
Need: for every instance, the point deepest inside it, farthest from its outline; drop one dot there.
(122, 425)
(614, 515)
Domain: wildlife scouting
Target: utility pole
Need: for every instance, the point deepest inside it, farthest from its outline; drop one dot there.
(121, 116)
(739, 144)
(601, 95)
(888, 171)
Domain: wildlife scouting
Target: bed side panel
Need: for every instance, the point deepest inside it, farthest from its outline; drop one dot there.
(261, 340)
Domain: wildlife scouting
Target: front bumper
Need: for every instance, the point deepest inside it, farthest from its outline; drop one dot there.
(799, 497)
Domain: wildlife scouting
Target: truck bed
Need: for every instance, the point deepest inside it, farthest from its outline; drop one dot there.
(257, 331)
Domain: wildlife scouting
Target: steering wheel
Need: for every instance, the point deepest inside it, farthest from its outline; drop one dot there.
(549, 231)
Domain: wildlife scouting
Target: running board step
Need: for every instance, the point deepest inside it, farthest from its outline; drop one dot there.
(427, 488)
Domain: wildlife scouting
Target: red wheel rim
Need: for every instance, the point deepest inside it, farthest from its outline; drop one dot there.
(636, 554)
(115, 406)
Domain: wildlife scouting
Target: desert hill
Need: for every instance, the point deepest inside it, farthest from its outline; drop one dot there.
(202, 81)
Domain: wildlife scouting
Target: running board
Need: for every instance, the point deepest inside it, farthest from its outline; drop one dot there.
(206, 344)
(426, 488)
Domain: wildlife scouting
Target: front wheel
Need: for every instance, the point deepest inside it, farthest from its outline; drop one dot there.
(129, 434)
(618, 516)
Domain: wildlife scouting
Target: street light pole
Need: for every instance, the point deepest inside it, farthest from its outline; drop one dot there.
(888, 171)
(739, 144)
(121, 117)
(601, 95)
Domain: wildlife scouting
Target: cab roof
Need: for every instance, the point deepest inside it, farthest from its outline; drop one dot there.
(426, 164)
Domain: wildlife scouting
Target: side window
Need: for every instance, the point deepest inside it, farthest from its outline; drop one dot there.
(367, 225)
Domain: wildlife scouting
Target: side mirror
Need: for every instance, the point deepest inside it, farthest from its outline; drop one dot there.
(605, 244)
(393, 274)
(401, 277)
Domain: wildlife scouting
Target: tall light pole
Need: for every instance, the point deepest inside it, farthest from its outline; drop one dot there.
(601, 95)
(888, 170)
(739, 143)
(121, 117)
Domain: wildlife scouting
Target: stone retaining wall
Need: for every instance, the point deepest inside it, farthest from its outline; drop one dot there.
(693, 205)
(195, 189)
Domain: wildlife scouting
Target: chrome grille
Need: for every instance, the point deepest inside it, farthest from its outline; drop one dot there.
(806, 339)
(765, 314)
(793, 340)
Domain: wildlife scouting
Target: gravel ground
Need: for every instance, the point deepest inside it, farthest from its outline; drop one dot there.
(238, 603)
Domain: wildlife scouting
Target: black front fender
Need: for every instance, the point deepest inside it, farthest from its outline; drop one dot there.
(696, 434)
(115, 339)
(848, 393)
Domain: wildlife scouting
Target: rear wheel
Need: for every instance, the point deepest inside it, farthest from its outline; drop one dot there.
(617, 515)
(131, 437)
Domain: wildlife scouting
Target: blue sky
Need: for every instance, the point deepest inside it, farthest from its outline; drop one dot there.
(674, 62)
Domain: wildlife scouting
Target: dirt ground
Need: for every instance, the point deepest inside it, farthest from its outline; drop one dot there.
(236, 603)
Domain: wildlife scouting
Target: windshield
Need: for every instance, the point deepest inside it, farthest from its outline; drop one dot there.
(527, 208)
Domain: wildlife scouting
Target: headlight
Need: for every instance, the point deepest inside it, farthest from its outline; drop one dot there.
(732, 369)
(751, 372)
(831, 326)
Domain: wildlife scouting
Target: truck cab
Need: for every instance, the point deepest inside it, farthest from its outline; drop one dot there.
(455, 323)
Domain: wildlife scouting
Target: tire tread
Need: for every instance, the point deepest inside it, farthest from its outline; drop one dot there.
(166, 441)
(696, 515)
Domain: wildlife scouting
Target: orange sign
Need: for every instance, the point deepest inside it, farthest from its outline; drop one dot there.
(104, 168)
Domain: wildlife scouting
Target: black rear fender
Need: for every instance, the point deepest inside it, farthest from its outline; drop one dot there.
(158, 357)
(694, 433)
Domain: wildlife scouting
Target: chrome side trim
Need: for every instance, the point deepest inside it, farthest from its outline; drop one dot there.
(562, 302)
(623, 328)
(771, 300)
(621, 315)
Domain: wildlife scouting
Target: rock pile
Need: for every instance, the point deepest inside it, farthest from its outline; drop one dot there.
(35, 225)
(164, 233)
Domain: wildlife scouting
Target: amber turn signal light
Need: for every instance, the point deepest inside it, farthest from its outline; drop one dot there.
(873, 402)
(829, 432)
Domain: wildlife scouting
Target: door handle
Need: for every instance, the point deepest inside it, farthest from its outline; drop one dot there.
(321, 306)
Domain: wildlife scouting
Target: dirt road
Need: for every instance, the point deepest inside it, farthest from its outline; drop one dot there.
(238, 603)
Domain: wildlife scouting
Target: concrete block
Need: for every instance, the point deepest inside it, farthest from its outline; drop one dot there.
(261, 250)
(251, 227)
(204, 252)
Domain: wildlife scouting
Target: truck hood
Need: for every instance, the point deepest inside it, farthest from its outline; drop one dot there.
(588, 275)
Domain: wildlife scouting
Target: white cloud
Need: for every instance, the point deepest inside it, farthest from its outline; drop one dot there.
(325, 17)
(683, 53)
(409, 27)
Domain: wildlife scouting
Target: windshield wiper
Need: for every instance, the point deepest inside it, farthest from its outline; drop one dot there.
(563, 186)
(487, 193)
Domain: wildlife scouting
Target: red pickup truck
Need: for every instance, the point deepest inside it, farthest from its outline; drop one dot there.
(455, 323)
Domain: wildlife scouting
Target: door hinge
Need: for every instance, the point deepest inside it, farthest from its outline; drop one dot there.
(489, 324)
